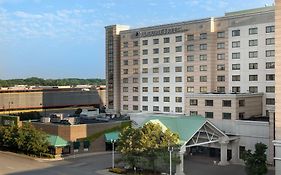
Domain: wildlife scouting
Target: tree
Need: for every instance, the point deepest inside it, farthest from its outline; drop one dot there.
(256, 162)
(147, 144)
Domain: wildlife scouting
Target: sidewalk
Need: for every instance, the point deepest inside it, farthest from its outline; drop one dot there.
(105, 172)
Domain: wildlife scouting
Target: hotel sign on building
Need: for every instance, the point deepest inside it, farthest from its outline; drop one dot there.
(166, 31)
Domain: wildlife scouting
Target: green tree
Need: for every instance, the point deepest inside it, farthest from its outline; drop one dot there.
(256, 162)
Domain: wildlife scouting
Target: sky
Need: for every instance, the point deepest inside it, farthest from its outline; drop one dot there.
(65, 38)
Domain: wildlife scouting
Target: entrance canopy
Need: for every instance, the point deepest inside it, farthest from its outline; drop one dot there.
(192, 130)
(57, 141)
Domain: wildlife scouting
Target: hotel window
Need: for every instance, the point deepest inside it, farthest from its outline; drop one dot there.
(220, 56)
(125, 80)
(144, 70)
(190, 47)
(226, 116)
(155, 41)
(178, 38)
(190, 79)
(270, 77)
(236, 55)
(135, 80)
(203, 78)
(220, 78)
(203, 68)
(178, 69)
(253, 31)
(155, 89)
(166, 59)
(203, 89)
(253, 42)
(220, 67)
(135, 98)
(209, 102)
(166, 69)
(190, 58)
(135, 52)
(135, 43)
(203, 46)
(178, 99)
(135, 71)
(253, 77)
(270, 53)
(192, 113)
(178, 59)
(203, 57)
(155, 70)
(221, 89)
(190, 89)
(135, 107)
(178, 48)
(253, 54)
(190, 37)
(209, 115)
(125, 62)
(144, 61)
(270, 41)
(178, 109)
(270, 89)
(235, 66)
(156, 51)
(236, 89)
(135, 89)
(155, 108)
(125, 89)
(241, 103)
(125, 44)
(145, 108)
(135, 62)
(145, 80)
(220, 34)
(144, 42)
(190, 68)
(203, 36)
(155, 99)
(220, 45)
(155, 60)
(166, 79)
(144, 52)
(167, 40)
(270, 101)
(253, 89)
(166, 109)
(178, 79)
(226, 103)
(235, 77)
(144, 89)
(166, 89)
(125, 98)
(125, 107)
(270, 65)
(166, 99)
(235, 44)
(235, 32)
(270, 29)
(125, 71)
(125, 53)
(178, 89)
(166, 50)
(155, 79)
(253, 65)
(193, 102)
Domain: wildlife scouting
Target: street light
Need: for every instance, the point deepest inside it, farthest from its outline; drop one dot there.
(170, 149)
(113, 141)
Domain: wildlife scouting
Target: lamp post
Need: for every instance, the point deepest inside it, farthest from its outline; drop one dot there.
(113, 141)
(170, 149)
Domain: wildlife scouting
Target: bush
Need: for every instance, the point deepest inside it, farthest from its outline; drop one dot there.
(117, 170)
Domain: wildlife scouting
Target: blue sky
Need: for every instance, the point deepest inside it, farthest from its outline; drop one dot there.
(65, 38)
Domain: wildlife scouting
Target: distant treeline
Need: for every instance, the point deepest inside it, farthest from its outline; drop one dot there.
(34, 81)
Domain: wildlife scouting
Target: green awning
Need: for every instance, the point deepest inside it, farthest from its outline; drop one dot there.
(111, 136)
(57, 141)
